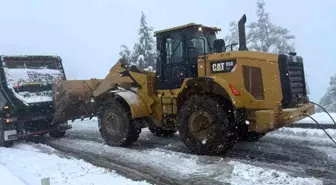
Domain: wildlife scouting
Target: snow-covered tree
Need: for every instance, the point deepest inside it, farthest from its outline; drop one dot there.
(266, 36)
(125, 53)
(328, 101)
(233, 37)
(263, 35)
(144, 51)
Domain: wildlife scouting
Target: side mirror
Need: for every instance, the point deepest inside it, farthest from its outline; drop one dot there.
(219, 46)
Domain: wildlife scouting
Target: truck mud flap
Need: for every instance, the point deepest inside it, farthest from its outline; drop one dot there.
(72, 99)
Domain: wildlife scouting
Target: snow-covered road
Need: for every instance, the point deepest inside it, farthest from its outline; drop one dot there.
(27, 164)
(289, 152)
(286, 156)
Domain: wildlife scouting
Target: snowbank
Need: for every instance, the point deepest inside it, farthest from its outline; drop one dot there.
(312, 136)
(247, 174)
(322, 118)
(318, 133)
(8, 178)
(28, 163)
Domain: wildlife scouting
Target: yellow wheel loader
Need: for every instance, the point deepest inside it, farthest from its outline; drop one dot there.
(211, 95)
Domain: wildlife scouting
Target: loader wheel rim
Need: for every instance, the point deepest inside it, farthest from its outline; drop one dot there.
(113, 121)
(202, 125)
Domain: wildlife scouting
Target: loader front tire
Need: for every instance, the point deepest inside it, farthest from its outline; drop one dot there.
(160, 132)
(116, 126)
(205, 126)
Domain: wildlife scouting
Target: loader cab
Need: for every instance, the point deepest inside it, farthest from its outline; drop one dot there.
(178, 51)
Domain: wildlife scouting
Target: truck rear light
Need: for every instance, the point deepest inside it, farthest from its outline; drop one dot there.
(234, 90)
(10, 120)
(16, 86)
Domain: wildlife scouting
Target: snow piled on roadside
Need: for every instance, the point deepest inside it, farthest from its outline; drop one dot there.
(31, 165)
(248, 174)
(322, 118)
(312, 136)
(9, 178)
(319, 133)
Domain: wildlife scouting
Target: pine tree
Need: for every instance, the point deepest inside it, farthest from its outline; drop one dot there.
(143, 54)
(146, 42)
(267, 37)
(125, 53)
(263, 35)
(233, 37)
(328, 101)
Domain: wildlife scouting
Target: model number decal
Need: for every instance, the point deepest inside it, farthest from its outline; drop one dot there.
(223, 66)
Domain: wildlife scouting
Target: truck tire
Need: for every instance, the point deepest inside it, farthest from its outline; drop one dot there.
(116, 126)
(57, 134)
(160, 132)
(6, 143)
(214, 122)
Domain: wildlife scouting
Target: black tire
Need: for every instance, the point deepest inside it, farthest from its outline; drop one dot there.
(137, 134)
(116, 126)
(220, 121)
(6, 144)
(57, 134)
(160, 132)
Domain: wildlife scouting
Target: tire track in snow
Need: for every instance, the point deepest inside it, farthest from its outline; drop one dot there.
(114, 158)
(292, 156)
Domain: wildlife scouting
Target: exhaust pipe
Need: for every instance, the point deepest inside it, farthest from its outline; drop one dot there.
(242, 34)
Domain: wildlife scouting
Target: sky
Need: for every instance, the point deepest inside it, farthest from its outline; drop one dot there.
(88, 34)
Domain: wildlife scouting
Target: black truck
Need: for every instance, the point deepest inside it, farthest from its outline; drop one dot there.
(26, 97)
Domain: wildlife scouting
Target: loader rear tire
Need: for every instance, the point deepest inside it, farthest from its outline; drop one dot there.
(116, 126)
(160, 132)
(205, 126)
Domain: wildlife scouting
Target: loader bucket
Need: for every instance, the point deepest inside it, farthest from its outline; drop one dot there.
(72, 99)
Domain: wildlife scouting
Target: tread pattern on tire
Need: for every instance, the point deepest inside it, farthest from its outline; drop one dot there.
(132, 134)
(223, 138)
